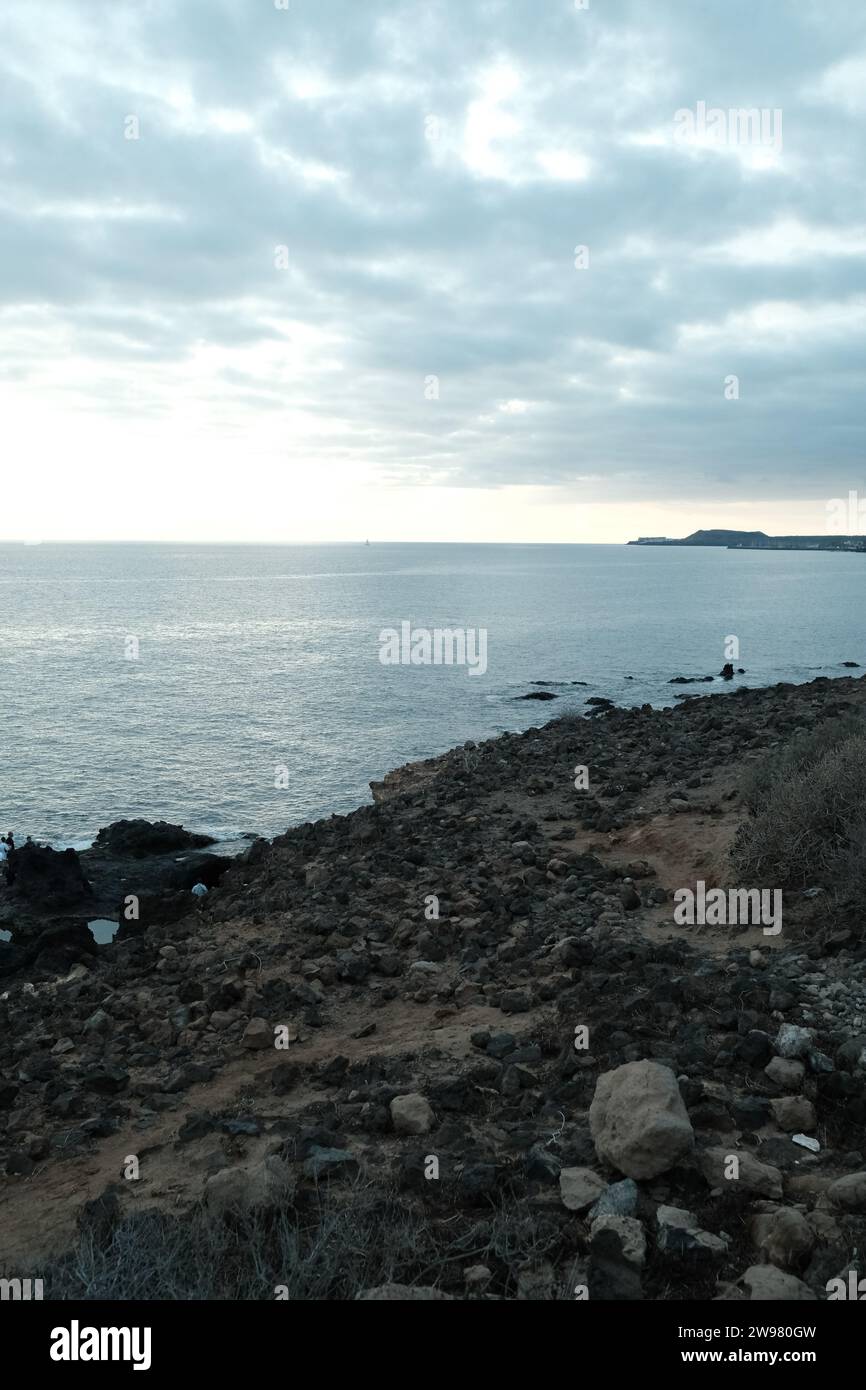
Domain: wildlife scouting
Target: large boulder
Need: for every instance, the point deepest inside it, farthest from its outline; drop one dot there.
(136, 839)
(262, 1186)
(638, 1120)
(49, 880)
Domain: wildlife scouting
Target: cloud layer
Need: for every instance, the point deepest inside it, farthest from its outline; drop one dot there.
(338, 250)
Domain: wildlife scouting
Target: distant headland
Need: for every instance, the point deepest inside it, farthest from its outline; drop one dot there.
(758, 540)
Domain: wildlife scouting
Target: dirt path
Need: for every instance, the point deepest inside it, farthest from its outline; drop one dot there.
(38, 1214)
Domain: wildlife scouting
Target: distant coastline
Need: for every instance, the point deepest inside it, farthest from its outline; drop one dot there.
(758, 540)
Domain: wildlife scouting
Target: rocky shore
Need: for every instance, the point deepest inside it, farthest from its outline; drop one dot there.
(136, 873)
(471, 993)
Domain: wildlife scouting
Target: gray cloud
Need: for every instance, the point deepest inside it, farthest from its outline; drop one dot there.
(431, 168)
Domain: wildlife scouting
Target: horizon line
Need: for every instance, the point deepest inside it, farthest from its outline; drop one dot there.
(92, 540)
(363, 543)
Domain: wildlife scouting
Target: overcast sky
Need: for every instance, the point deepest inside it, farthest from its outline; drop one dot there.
(311, 273)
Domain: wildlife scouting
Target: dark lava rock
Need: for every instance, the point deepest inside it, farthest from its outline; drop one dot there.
(186, 1076)
(459, 1094)
(314, 1137)
(98, 1128)
(610, 1276)
(331, 1073)
(284, 1078)
(11, 958)
(19, 1164)
(196, 1126)
(515, 1001)
(136, 839)
(244, 1125)
(8, 1092)
(67, 1104)
(107, 1079)
(410, 1172)
(353, 967)
(750, 1112)
(711, 1114)
(59, 947)
(755, 1049)
(542, 1165)
(619, 1199)
(538, 695)
(49, 880)
(849, 1053)
(328, 1163)
(199, 868)
(478, 1180)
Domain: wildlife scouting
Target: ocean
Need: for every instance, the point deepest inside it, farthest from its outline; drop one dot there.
(239, 689)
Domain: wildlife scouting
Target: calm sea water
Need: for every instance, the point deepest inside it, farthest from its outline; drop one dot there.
(252, 658)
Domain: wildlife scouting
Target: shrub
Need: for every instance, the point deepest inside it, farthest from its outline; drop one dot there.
(329, 1253)
(796, 756)
(808, 813)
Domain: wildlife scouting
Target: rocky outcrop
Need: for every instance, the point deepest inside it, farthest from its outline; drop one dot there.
(48, 881)
(138, 839)
(127, 876)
